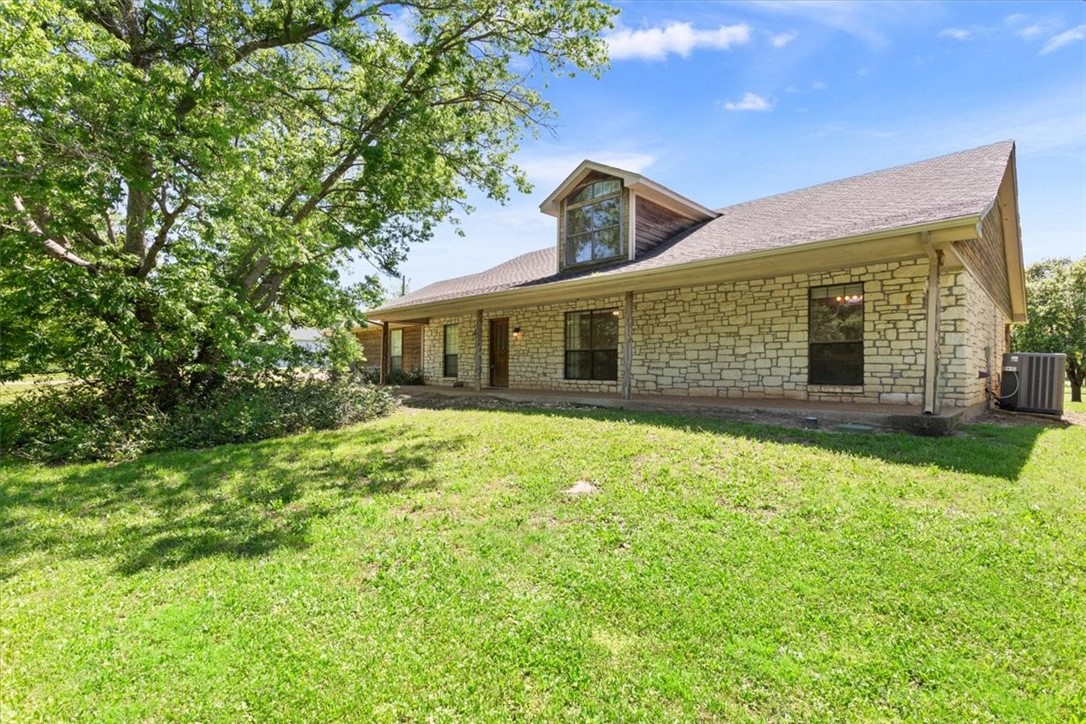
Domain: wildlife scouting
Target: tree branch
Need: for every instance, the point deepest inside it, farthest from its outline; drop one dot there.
(53, 246)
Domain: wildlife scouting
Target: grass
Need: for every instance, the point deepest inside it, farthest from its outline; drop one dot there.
(430, 565)
(10, 390)
(1068, 406)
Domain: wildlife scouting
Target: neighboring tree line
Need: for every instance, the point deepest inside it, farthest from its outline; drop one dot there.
(1056, 316)
(181, 182)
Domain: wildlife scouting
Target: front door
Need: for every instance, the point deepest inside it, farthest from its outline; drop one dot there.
(499, 352)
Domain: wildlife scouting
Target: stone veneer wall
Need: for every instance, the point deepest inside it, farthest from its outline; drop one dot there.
(748, 339)
(536, 360)
(973, 341)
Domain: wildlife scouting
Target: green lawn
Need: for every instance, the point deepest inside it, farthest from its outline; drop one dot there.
(10, 390)
(430, 565)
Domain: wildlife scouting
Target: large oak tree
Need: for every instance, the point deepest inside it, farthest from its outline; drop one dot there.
(1056, 314)
(182, 180)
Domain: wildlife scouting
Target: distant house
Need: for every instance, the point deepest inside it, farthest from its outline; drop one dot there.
(308, 338)
(896, 287)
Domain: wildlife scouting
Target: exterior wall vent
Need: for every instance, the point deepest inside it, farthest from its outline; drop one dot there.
(1033, 382)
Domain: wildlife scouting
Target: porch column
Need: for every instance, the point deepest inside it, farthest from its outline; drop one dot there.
(383, 378)
(931, 306)
(479, 350)
(422, 351)
(627, 348)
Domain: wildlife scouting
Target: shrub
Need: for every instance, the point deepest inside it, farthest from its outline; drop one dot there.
(405, 377)
(395, 377)
(77, 423)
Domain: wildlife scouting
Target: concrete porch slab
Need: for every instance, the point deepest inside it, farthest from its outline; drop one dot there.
(890, 417)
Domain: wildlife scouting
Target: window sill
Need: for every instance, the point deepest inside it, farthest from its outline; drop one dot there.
(594, 262)
(836, 389)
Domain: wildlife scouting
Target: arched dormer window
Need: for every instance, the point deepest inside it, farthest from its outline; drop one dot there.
(593, 229)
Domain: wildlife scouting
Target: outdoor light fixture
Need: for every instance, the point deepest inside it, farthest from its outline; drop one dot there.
(517, 333)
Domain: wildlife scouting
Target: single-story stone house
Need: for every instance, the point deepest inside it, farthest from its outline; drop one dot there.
(895, 287)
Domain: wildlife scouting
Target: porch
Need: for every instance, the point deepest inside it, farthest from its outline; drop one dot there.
(798, 413)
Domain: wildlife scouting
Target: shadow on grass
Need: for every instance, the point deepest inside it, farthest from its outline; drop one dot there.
(167, 510)
(988, 450)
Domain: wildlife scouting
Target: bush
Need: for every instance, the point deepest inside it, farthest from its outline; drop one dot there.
(405, 377)
(395, 377)
(78, 423)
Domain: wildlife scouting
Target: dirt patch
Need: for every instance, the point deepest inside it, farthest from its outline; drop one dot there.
(582, 487)
(1004, 418)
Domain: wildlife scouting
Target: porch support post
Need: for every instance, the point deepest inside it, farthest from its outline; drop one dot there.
(479, 350)
(627, 348)
(931, 306)
(422, 351)
(383, 380)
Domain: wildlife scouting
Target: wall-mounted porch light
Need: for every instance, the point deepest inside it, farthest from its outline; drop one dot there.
(517, 334)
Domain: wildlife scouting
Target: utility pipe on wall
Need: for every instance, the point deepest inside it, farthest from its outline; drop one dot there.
(932, 308)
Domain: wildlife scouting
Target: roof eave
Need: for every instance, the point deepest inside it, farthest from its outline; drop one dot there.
(647, 188)
(639, 184)
(1012, 239)
(550, 204)
(941, 231)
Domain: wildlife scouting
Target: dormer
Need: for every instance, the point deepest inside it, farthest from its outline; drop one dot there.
(606, 215)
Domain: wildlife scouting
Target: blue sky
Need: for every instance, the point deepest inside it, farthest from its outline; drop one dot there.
(726, 102)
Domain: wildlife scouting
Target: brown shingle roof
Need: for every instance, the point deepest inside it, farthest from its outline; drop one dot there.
(948, 187)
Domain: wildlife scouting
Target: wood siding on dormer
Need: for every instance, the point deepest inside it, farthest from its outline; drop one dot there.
(985, 257)
(656, 224)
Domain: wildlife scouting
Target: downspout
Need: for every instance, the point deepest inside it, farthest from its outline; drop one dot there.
(931, 307)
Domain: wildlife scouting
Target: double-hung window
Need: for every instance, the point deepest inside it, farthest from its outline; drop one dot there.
(835, 334)
(451, 347)
(592, 345)
(395, 357)
(592, 222)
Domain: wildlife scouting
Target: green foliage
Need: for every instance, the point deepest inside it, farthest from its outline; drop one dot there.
(405, 377)
(182, 182)
(431, 566)
(74, 423)
(1056, 315)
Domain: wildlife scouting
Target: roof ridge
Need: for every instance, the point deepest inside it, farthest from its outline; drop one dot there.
(867, 174)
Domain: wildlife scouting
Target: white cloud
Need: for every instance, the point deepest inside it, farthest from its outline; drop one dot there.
(1031, 28)
(956, 33)
(749, 102)
(1065, 38)
(782, 39)
(867, 21)
(674, 38)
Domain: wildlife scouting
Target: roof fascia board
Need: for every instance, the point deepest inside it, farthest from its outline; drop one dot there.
(902, 243)
(1012, 239)
(550, 204)
(667, 198)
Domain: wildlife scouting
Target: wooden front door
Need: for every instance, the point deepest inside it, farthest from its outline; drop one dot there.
(499, 352)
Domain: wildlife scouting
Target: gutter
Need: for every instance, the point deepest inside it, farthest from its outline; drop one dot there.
(622, 277)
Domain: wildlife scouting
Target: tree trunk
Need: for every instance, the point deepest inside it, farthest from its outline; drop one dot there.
(1076, 375)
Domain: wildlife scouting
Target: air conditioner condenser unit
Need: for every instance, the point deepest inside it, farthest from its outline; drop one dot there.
(1033, 382)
